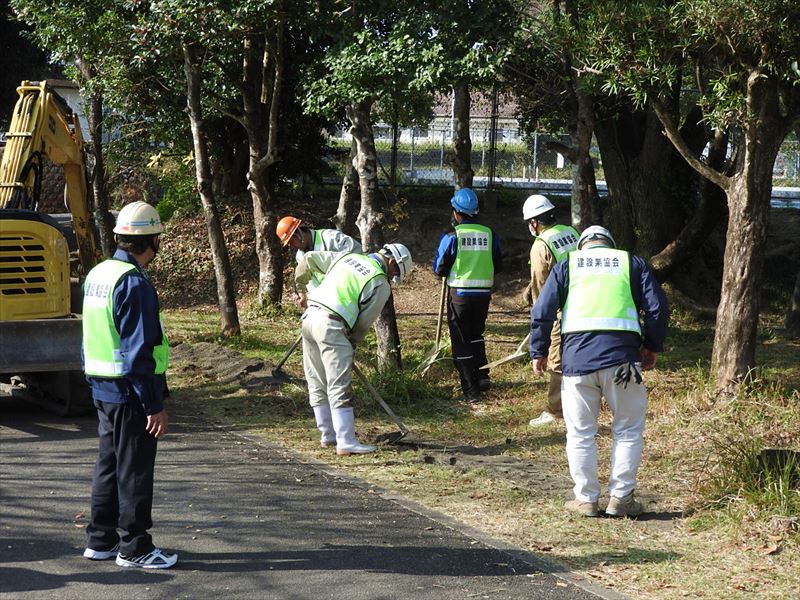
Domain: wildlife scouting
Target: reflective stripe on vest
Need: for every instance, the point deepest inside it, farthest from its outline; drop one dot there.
(473, 267)
(340, 290)
(599, 296)
(560, 240)
(101, 342)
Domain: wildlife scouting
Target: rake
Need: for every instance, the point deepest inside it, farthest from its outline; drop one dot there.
(438, 346)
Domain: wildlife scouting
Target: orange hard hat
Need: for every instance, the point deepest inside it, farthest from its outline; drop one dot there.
(286, 228)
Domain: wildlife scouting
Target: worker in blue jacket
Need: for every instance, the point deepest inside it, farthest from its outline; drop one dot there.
(125, 357)
(469, 256)
(613, 325)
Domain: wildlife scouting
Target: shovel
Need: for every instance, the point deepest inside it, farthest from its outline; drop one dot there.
(377, 397)
(438, 347)
(277, 372)
(518, 353)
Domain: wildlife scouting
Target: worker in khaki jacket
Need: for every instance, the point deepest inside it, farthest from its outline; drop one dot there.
(292, 232)
(341, 310)
(552, 244)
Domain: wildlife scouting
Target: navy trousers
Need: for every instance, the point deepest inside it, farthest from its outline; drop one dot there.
(466, 319)
(122, 486)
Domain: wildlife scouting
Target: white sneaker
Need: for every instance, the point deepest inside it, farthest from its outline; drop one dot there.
(101, 554)
(155, 559)
(543, 419)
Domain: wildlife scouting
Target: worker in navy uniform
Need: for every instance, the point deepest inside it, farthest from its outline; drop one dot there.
(125, 357)
(469, 256)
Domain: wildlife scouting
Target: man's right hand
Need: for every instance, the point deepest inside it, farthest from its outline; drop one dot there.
(299, 299)
(157, 424)
(540, 365)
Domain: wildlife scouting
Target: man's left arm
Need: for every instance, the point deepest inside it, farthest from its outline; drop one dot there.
(445, 254)
(140, 331)
(497, 252)
(314, 262)
(655, 310)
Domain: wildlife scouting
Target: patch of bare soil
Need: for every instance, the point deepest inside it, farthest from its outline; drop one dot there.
(217, 363)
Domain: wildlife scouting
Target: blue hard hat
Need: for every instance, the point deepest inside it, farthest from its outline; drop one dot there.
(465, 201)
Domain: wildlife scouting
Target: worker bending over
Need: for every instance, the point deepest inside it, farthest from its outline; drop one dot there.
(602, 292)
(293, 233)
(341, 310)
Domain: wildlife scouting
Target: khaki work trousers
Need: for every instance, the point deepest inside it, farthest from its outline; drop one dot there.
(327, 359)
(554, 368)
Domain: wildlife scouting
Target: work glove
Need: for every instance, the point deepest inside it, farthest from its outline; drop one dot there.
(624, 372)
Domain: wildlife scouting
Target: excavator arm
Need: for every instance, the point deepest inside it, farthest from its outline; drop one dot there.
(43, 125)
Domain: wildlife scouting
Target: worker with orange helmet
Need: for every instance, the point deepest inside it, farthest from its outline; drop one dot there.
(292, 232)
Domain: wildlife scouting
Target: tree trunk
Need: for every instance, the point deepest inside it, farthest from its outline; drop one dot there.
(104, 220)
(370, 223)
(749, 196)
(261, 89)
(345, 217)
(793, 316)
(226, 294)
(642, 172)
(461, 156)
(232, 163)
(585, 201)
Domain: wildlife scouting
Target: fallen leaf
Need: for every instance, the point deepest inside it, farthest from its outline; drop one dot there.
(768, 549)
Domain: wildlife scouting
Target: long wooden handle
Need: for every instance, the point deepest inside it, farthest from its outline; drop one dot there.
(442, 301)
(377, 397)
(291, 349)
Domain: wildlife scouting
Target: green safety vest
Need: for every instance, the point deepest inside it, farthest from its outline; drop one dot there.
(340, 290)
(599, 296)
(101, 343)
(560, 240)
(473, 267)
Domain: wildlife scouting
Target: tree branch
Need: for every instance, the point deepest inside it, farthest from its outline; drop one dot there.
(674, 136)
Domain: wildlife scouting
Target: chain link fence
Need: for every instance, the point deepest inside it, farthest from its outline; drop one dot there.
(502, 155)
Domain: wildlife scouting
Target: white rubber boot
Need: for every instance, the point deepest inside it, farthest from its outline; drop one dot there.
(322, 414)
(346, 442)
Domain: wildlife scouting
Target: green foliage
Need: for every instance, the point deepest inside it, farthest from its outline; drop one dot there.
(400, 52)
(180, 188)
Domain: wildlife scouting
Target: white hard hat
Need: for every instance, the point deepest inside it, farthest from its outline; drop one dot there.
(138, 218)
(536, 205)
(402, 256)
(596, 232)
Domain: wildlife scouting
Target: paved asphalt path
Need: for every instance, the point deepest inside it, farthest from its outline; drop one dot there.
(249, 520)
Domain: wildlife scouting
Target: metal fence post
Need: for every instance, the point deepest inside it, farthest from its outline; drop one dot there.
(411, 159)
(395, 140)
(493, 140)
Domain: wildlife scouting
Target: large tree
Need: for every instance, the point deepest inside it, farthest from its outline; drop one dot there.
(744, 51)
(171, 35)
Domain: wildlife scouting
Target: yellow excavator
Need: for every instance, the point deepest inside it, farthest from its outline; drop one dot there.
(44, 257)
